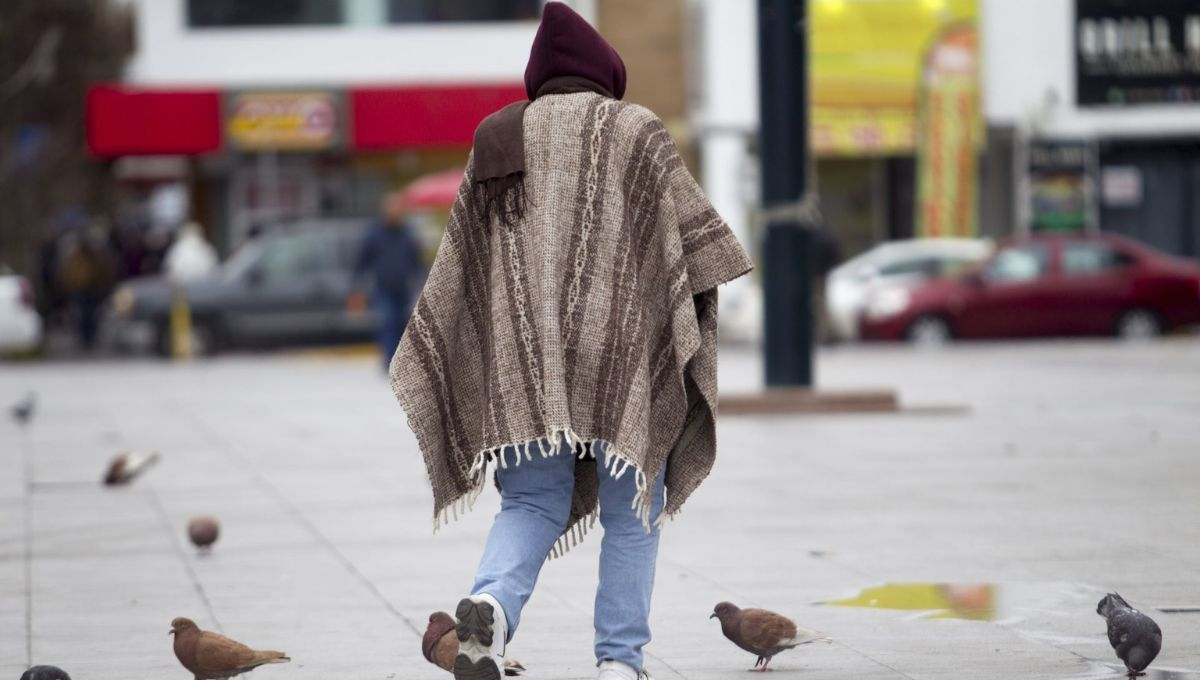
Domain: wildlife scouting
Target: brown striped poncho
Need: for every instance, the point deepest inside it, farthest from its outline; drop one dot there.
(593, 318)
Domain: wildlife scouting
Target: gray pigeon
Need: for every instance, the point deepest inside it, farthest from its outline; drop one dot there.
(22, 411)
(1135, 636)
(45, 673)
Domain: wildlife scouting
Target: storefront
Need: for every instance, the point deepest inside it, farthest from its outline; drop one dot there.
(245, 159)
(897, 123)
(1104, 101)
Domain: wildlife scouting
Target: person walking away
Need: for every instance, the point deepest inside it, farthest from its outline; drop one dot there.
(389, 264)
(826, 255)
(86, 275)
(190, 257)
(566, 338)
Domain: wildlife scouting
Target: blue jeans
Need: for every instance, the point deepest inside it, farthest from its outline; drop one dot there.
(391, 316)
(535, 502)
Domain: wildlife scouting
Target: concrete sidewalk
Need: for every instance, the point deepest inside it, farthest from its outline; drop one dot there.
(1073, 473)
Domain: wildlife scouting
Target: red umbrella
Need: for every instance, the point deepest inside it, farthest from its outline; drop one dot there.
(436, 190)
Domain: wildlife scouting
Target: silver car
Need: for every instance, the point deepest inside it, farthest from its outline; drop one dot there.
(292, 286)
(894, 263)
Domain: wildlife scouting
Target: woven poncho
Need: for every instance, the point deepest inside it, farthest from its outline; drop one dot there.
(591, 319)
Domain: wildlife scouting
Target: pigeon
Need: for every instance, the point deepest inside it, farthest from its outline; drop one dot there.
(22, 412)
(211, 656)
(440, 646)
(126, 466)
(1135, 636)
(203, 531)
(45, 673)
(761, 632)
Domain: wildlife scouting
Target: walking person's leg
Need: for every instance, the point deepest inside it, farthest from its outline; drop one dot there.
(628, 555)
(535, 503)
(387, 332)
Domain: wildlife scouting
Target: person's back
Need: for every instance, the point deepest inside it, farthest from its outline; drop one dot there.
(567, 335)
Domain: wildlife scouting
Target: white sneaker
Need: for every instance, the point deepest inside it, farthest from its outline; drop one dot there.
(481, 629)
(616, 670)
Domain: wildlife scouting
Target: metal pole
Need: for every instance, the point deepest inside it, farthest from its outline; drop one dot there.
(787, 257)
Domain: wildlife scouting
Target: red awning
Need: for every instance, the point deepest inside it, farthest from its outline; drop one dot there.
(437, 190)
(411, 117)
(129, 121)
(135, 121)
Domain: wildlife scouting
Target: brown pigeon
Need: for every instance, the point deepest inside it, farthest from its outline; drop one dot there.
(210, 656)
(762, 632)
(126, 466)
(440, 645)
(203, 531)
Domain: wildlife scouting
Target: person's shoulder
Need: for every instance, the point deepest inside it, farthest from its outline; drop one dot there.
(637, 114)
(498, 120)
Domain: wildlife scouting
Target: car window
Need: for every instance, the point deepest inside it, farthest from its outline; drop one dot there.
(1082, 258)
(954, 266)
(349, 242)
(1019, 263)
(294, 256)
(920, 266)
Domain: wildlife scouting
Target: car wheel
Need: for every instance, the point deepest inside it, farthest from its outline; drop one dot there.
(1139, 324)
(929, 331)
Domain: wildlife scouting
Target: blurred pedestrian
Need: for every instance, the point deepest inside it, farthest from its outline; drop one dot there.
(389, 266)
(826, 255)
(87, 271)
(190, 257)
(51, 298)
(567, 335)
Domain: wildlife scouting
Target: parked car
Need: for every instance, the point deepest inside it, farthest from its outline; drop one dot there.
(290, 286)
(890, 264)
(1068, 285)
(20, 323)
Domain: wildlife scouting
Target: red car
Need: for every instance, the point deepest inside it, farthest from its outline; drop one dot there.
(1046, 286)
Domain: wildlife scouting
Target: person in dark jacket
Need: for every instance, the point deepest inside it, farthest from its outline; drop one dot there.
(389, 265)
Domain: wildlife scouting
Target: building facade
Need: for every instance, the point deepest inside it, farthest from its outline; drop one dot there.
(240, 115)
(1134, 138)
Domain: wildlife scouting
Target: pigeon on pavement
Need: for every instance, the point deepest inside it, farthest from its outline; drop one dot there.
(440, 646)
(45, 673)
(22, 412)
(762, 632)
(211, 656)
(203, 531)
(126, 466)
(1136, 638)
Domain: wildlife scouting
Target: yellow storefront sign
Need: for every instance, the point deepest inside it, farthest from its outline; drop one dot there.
(867, 62)
(282, 121)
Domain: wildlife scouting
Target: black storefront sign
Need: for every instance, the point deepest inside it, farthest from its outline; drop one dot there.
(1131, 52)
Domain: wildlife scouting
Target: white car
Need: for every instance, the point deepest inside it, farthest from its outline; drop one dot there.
(20, 324)
(889, 264)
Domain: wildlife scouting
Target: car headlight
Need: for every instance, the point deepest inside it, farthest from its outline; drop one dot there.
(888, 302)
(123, 301)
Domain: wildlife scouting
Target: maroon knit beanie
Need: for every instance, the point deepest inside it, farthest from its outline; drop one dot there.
(567, 45)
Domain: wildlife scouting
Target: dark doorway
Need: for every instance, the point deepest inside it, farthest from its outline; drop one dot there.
(1156, 198)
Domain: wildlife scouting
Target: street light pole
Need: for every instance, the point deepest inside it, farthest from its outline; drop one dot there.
(787, 256)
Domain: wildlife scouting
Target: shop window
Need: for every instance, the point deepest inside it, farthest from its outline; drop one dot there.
(409, 11)
(234, 13)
